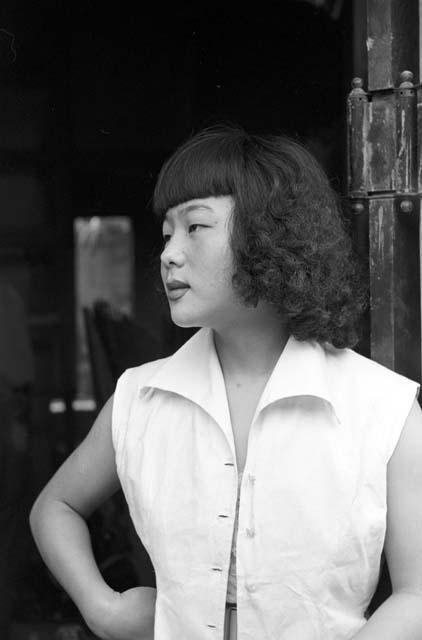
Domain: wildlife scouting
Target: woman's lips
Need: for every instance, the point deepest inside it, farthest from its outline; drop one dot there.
(176, 293)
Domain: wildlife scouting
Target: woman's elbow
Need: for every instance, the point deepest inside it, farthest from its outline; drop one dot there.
(44, 510)
(36, 515)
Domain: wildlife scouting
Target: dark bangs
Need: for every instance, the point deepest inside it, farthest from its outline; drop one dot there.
(204, 166)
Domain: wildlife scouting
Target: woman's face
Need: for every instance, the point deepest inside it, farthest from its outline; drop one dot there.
(197, 263)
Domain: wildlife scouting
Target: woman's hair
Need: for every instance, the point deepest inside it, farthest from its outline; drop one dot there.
(288, 237)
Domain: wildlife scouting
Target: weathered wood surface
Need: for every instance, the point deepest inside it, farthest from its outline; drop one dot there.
(385, 181)
(380, 150)
(381, 266)
(395, 283)
(406, 134)
(419, 138)
(392, 41)
(382, 139)
(357, 123)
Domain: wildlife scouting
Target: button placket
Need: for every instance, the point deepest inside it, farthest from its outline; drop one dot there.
(224, 513)
(249, 484)
(224, 516)
(250, 477)
(250, 531)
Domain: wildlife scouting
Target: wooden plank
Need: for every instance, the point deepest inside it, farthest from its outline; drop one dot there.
(405, 41)
(420, 39)
(407, 290)
(381, 271)
(379, 44)
(406, 134)
(394, 284)
(420, 280)
(419, 138)
(394, 170)
(392, 41)
(357, 124)
(381, 146)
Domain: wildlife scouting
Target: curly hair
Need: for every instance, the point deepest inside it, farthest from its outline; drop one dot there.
(289, 239)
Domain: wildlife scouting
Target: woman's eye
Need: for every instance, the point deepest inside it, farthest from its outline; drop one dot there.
(195, 227)
(166, 238)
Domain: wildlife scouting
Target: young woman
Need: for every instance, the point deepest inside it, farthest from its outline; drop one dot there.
(265, 464)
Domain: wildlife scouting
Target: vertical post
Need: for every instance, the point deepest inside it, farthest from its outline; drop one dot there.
(357, 172)
(390, 189)
(392, 41)
(357, 123)
(406, 134)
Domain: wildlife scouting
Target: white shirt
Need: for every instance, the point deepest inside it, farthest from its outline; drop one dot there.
(312, 514)
(231, 578)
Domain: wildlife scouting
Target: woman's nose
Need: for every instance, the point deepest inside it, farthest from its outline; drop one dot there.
(172, 253)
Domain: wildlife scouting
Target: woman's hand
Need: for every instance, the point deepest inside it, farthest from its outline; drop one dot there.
(125, 616)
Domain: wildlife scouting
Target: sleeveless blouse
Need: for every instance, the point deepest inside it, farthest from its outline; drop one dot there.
(231, 584)
(311, 520)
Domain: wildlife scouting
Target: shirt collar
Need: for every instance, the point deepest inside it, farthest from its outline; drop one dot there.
(194, 372)
(301, 370)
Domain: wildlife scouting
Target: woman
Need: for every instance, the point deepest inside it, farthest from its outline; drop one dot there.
(258, 460)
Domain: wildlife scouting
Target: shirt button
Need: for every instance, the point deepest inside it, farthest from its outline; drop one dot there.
(250, 588)
(250, 532)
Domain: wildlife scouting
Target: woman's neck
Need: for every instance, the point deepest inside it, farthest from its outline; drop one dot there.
(252, 347)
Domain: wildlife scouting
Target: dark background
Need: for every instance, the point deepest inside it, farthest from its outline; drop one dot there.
(93, 98)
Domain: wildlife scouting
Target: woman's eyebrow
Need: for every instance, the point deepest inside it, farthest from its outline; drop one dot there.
(192, 207)
(189, 208)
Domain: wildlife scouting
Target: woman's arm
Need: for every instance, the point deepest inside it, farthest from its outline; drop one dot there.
(58, 522)
(400, 616)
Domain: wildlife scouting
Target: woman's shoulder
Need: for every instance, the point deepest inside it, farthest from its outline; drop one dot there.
(366, 388)
(137, 377)
(371, 397)
(127, 391)
(353, 366)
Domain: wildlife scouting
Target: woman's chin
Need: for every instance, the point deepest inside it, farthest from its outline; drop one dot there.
(184, 321)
